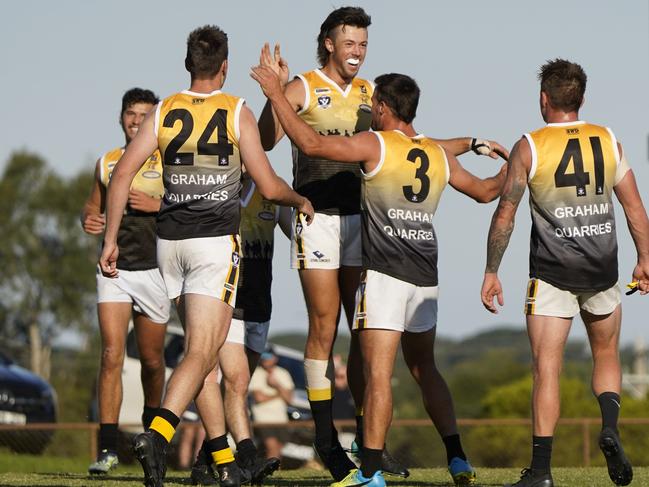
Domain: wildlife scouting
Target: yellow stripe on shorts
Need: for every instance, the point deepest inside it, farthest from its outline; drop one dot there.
(163, 427)
(530, 299)
(230, 284)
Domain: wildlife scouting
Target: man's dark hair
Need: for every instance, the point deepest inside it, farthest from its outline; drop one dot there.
(137, 95)
(207, 48)
(564, 83)
(354, 16)
(400, 93)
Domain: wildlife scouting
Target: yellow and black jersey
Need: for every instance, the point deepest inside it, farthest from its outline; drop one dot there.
(198, 137)
(257, 231)
(398, 203)
(136, 235)
(332, 187)
(573, 244)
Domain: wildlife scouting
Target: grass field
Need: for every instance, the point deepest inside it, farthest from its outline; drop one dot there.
(130, 476)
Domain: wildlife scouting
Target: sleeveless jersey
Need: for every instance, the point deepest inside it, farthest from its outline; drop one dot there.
(136, 235)
(399, 199)
(332, 187)
(573, 244)
(198, 136)
(257, 230)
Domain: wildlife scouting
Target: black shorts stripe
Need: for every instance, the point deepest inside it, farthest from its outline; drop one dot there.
(233, 272)
(532, 288)
(361, 321)
(299, 242)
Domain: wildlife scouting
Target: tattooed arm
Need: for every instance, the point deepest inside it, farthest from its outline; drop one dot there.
(502, 223)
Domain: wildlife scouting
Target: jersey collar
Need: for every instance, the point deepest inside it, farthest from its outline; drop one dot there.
(335, 85)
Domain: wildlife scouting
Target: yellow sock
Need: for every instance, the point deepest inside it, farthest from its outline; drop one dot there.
(223, 456)
(162, 426)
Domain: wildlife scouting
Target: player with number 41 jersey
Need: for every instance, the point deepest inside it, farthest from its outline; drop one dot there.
(574, 168)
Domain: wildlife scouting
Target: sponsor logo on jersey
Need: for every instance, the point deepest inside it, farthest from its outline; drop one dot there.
(198, 101)
(365, 108)
(151, 174)
(572, 131)
(266, 215)
(235, 259)
(299, 228)
(223, 161)
(324, 101)
(321, 91)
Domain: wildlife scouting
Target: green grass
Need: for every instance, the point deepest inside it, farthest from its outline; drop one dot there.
(127, 476)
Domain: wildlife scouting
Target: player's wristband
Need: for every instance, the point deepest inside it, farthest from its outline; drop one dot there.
(480, 146)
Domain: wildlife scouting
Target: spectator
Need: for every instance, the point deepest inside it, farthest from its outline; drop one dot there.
(271, 388)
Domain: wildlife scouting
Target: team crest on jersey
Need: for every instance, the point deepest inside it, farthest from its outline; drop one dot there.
(321, 91)
(363, 89)
(324, 101)
(223, 161)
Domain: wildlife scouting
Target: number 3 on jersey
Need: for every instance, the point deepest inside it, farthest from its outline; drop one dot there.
(222, 148)
(580, 178)
(420, 174)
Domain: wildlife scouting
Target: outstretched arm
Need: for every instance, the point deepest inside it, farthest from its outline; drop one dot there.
(270, 129)
(137, 152)
(481, 190)
(502, 223)
(363, 147)
(636, 216)
(461, 145)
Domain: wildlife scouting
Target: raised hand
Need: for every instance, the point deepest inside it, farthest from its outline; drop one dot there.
(267, 79)
(275, 61)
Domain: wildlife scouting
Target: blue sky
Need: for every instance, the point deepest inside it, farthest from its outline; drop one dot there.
(66, 65)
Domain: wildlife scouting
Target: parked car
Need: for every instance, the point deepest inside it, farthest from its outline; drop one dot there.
(25, 398)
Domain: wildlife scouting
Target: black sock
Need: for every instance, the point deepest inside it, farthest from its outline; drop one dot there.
(359, 430)
(453, 447)
(324, 423)
(371, 462)
(108, 435)
(541, 453)
(609, 405)
(148, 413)
(246, 450)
